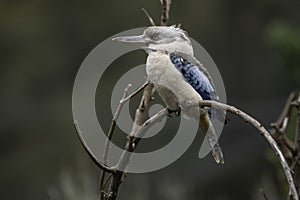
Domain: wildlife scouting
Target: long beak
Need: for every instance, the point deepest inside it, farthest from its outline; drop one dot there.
(137, 40)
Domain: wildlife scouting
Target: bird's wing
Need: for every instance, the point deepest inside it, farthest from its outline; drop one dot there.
(197, 76)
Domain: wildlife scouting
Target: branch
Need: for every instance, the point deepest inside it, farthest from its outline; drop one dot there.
(264, 194)
(217, 105)
(123, 100)
(296, 163)
(296, 103)
(109, 137)
(150, 122)
(148, 16)
(113, 123)
(140, 117)
(279, 128)
(89, 152)
(136, 137)
(292, 189)
(165, 12)
(290, 149)
(285, 112)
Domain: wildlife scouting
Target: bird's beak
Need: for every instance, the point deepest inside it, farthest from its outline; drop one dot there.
(139, 40)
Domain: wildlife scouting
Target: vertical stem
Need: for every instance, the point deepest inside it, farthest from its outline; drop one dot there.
(165, 12)
(297, 143)
(140, 117)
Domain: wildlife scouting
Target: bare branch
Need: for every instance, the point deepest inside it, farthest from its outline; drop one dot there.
(296, 162)
(134, 93)
(140, 117)
(89, 152)
(292, 193)
(136, 137)
(292, 189)
(279, 128)
(142, 128)
(297, 105)
(149, 17)
(150, 122)
(285, 112)
(264, 194)
(109, 137)
(113, 123)
(165, 5)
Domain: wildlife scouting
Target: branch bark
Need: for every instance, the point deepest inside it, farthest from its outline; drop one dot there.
(217, 105)
(292, 189)
(296, 163)
(279, 128)
(140, 117)
(138, 130)
(102, 166)
(109, 137)
(279, 131)
(166, 4)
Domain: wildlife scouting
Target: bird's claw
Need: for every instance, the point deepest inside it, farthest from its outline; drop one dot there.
(171, 113)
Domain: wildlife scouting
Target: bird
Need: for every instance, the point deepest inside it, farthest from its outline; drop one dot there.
(179, 78)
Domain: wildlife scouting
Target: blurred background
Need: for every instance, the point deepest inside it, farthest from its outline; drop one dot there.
(255, 44)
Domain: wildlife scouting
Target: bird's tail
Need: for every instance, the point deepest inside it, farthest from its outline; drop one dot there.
(207, 127)
(217, 153)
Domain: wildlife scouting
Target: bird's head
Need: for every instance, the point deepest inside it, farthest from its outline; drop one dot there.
(166, 38)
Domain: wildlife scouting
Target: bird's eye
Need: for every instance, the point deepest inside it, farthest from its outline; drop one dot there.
(155, 37)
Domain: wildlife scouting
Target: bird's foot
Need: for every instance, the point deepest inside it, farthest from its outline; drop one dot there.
(171, 113)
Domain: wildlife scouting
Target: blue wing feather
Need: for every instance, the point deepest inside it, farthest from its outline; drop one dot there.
(192, 74)
(200, 80)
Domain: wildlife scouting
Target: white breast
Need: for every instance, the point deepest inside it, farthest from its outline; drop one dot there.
(162, 72)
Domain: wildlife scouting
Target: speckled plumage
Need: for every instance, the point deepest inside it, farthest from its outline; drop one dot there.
(192, 74)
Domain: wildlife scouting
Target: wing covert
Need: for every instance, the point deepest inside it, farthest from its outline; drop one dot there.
(194, 76)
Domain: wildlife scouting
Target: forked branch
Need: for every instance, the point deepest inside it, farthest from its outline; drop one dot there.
(217, 105)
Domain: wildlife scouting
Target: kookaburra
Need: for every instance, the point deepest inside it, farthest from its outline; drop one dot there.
(178, 77)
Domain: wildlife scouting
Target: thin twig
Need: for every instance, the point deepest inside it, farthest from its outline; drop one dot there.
(113, 123)
(279, 134)
(103, 194)
(264, 194)
(296, 162)
(149, 17)
(134, 92)
(89, 152)
(107, 180)
(297, 105)
(109, 137)
(285, 112)
(278, 130)
(165, 12)
(140, 117)
(150, 122)
(137, 135)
